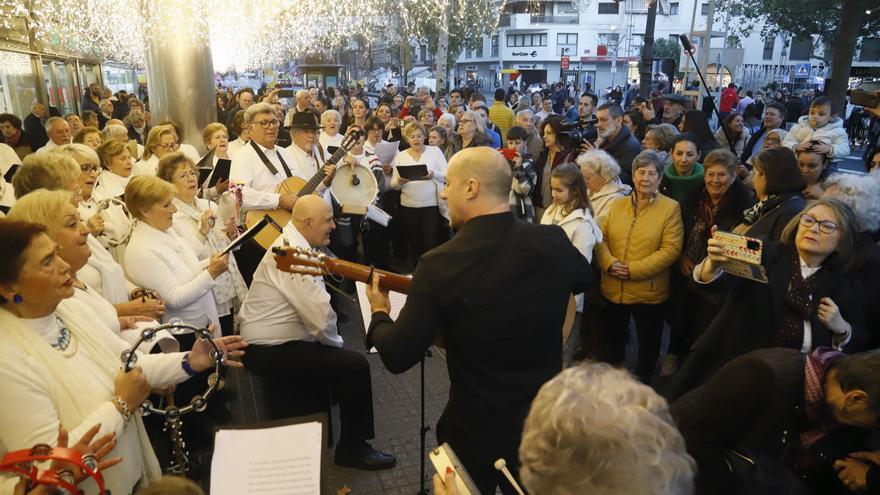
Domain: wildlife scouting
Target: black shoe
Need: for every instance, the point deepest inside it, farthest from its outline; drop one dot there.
(364, 457)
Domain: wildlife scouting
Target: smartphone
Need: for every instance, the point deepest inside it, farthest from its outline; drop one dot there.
(286, 93)
(862, 98)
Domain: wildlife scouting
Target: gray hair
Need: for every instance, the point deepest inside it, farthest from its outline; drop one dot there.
(860, 193)
(52, 121)
(595, 429)
(133, 116)
(330, 112)
(601, 163)
(79, 152)
(448, 116)
(112, 131)
(256, 109)
(526, 111)
(648, 158)
(105, 100)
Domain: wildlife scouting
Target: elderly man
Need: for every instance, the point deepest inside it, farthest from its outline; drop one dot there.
(526, 120)
(90, 119)
(502, 345)
(35, 126)
(615, 138)
(291, 328)
(307, 155)
(105, 112)
(58, 131)
(244, 98)
(92, 98)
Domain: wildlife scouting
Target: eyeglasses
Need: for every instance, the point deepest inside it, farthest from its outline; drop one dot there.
(89, 168)
(169, 146)
(266, 124)
(825, 226)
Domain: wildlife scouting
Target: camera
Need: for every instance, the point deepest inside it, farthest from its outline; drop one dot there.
(858, 97)
(573, 133)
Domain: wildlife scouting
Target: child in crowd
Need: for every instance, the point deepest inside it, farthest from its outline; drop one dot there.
(821, 131)
(524, 175)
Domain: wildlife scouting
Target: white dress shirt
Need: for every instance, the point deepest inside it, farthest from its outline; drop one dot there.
(282, 307)
(165, 262)
(50, 146)
(421, 193)
(306, 165)
(235, 146)
(326, 141)
(259, 184)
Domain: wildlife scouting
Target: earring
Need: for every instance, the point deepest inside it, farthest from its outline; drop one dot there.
(16, 299)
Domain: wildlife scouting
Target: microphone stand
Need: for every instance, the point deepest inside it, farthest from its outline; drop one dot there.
(423, 428)
(689, 49)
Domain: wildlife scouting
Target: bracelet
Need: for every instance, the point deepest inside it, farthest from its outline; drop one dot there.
(184, 363)
(120, 403)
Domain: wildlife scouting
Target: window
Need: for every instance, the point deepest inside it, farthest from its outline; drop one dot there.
(769, 44)
(468, 52)
(610, 42)
(704, 9)
(733, 41)
(673, 8)
(801, 49)
(483, 49)
(566, 44)
(673, 38)
(516, 40)
(495, 45)
(870, 51)
(609, 7)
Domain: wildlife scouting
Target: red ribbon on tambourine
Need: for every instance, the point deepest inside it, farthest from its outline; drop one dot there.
(23, 463)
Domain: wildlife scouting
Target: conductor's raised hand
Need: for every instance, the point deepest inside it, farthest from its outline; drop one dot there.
(378, 297)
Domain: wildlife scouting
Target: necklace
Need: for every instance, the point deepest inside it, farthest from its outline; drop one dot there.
(65, 342)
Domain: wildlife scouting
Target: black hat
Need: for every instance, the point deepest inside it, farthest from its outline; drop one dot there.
(304, 120)
(676, 98)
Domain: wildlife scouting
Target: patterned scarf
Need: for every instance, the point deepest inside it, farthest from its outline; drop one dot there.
(707, 213)
(815, 367)
(797, 305)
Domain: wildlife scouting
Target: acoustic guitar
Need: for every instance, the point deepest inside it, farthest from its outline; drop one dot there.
(300, 187)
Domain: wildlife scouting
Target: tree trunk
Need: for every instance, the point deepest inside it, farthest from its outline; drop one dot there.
(441, 58)
(851, 20)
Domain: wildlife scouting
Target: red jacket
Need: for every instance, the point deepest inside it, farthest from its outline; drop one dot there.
(729, 99)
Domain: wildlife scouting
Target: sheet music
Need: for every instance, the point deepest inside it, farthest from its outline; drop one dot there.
(270, 461)
(386, 151)
(397, 301)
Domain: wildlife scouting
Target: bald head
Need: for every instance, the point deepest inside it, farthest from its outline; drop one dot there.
(313, 218)
(477, 183)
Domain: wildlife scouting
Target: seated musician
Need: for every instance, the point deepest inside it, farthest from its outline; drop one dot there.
(291, 329)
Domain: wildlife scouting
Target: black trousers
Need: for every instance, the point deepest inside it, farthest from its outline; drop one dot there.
(347, 373)
(422, 227)
(649, 327)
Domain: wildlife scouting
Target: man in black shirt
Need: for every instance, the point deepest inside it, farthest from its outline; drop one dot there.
(496, 295)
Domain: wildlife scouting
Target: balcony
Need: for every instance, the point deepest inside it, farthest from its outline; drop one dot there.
(504, 20)
(555, 19)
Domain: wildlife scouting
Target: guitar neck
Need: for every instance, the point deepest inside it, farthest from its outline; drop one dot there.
(355, 271)
(316, 179)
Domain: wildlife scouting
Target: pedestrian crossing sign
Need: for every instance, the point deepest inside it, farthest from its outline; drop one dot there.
(802, 70)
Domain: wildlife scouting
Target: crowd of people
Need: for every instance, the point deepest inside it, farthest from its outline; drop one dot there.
(532, 208)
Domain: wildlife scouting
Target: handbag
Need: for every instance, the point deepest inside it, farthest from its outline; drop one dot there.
(759, 474)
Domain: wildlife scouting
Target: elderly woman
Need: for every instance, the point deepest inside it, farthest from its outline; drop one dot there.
(116, 164)
(447, 121)
(216, 139)
(717, 203)
(119, 133)
(602, 175)
(89, 136)
(439, 137)
(660, 138)
(242, 131)
(643, 236)
(594, 429)
(772, 139)
(161, 141)
(136, 123)
(686, 173)
(195, 222)
(471, 132)
(59, 171)
(815, 169)
(808, 302)
(778, 187)
(330, 135)
(736, 129)
(420, 204)
(793, 414)
(860, 193)
(61, 362)
(159, 259)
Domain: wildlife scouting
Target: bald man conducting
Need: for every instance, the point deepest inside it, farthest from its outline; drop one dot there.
(496, 294)
(288, 321)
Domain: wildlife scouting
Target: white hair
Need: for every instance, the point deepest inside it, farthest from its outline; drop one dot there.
(52, 121)
(302, 93)
(447, 116)
(331, 112)
(595, 429)
(860, 193)
(601, 163)
(526, 111)
(256, 109)
(113, 130)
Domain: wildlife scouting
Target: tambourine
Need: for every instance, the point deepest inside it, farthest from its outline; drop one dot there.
(215, 381)
(24, 464)
(105, 204)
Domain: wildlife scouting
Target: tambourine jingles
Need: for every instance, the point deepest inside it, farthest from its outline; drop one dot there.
(23, 463)
(215, 381)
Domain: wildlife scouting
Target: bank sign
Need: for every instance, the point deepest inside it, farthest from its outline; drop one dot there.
(526, 53)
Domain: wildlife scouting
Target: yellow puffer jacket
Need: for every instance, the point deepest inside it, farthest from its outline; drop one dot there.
(648, 241)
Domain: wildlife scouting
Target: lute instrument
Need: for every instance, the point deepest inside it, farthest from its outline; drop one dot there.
(300, 187)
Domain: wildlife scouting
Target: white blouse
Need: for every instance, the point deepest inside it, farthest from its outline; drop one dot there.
(166, 263)
(146, 167)
(421, 193)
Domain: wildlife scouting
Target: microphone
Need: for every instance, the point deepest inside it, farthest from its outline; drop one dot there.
(686, 43)
(501, 465)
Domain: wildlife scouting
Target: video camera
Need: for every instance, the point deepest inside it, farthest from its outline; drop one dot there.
(573, 133)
